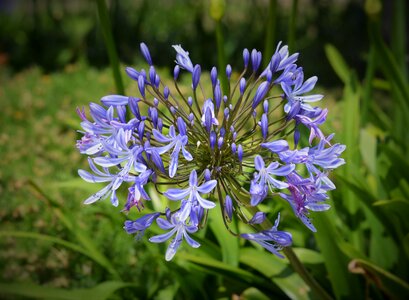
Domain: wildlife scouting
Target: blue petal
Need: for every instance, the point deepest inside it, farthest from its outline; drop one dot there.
(259, 162)
(164, 224)
(276, 183)
(185, 210)
(206, 204)
(109, 161)
(318, 207)
(177, 194)
(98, 195)
(162, 237)
(173, 166)
(283, 171)
(186, 154)
(207, 187)
(276, 146)
(308, 85)
(310, 98)
(160, 137)
(114, 100)
(190, 241)
(193, 178)
(92, 178)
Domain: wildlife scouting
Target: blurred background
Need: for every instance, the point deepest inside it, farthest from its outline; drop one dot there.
(53, 58)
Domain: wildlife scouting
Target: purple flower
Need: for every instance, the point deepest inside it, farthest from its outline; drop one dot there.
(271, 239)
(192, 194)
(145, 53)
(315, 131)
(295, 97)
(228, 207)
(140, 225)
(208, 117)
(261, 93)
(178, 227)
(264, 177)
(115, 180)
(177, 142)
(137, 191)
(182, 58)
(258, 218)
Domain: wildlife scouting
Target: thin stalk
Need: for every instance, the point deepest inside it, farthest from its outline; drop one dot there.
(221, 58)
(305, 275)
(110, 45)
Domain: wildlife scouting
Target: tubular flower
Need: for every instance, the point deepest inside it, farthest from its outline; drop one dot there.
(203, 147)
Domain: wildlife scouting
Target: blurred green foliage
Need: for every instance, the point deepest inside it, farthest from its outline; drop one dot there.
(53, 247)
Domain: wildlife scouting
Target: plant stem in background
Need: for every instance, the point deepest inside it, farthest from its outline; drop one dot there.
(110, 45)
(216, 11)
(292, 26)
(305, 275)
(221, 58)
(270, 32)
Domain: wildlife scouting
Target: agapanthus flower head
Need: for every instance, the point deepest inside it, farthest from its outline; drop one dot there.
(202, 146)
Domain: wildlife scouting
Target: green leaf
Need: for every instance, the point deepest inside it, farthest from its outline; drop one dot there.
(351, 138)
(253, 294)
(277, 270)
(337, 63)
(219, 266)
(229, 244)
(344, 284)
(102, 291)
(308, 256)
(368, 149)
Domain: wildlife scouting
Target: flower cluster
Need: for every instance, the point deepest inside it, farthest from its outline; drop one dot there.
(230, 145)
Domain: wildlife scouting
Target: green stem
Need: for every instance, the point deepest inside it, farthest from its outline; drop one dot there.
(110, 45)
(221, 58)
(292, 26)
(305, 275)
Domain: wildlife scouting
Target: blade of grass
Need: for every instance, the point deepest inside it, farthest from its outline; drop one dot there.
(229, 244)
(275, 269)
(344, 284)
(337, 63)
(351, 138)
